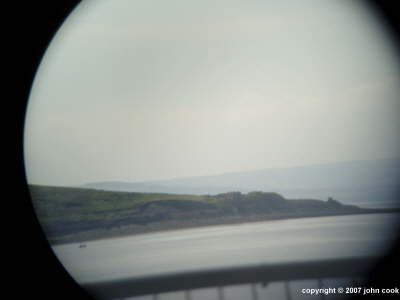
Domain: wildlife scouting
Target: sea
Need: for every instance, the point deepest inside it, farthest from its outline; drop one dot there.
(280, 241)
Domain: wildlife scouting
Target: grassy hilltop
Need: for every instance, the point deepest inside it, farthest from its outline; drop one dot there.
(75, 214)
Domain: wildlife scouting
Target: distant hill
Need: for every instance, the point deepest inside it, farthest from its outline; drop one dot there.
(374, 183)
(71, 214)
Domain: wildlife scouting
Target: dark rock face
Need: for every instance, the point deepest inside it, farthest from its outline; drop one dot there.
(157, 211)
(177, 205)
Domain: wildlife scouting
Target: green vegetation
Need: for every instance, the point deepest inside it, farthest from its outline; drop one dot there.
(72, 214)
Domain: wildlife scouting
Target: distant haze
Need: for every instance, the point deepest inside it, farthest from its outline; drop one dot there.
(374, 183)
(144, 90)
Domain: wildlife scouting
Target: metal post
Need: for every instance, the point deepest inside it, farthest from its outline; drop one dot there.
(254, 294)
(221, 295)
(188, 296)
(287, 290)
(320, 286)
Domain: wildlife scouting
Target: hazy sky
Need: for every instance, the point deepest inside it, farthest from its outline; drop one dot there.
(140, 90)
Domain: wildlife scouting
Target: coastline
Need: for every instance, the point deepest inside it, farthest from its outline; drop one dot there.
(134, 229)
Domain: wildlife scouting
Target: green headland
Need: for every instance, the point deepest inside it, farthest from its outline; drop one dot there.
(80, 214)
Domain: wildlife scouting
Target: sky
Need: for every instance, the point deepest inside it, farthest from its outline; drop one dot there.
(151, 89)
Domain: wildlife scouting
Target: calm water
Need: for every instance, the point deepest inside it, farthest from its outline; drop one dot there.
(216, 246)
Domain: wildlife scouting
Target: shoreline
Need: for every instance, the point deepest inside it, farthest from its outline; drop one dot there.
(172, 225)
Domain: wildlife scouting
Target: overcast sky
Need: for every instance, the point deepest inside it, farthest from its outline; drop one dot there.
(141, 90)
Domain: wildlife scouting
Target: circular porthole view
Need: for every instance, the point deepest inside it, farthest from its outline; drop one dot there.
(218, 149)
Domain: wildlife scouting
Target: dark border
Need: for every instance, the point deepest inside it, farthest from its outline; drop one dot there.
(36, 272)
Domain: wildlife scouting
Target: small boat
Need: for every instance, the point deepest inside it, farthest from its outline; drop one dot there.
(82, 246)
